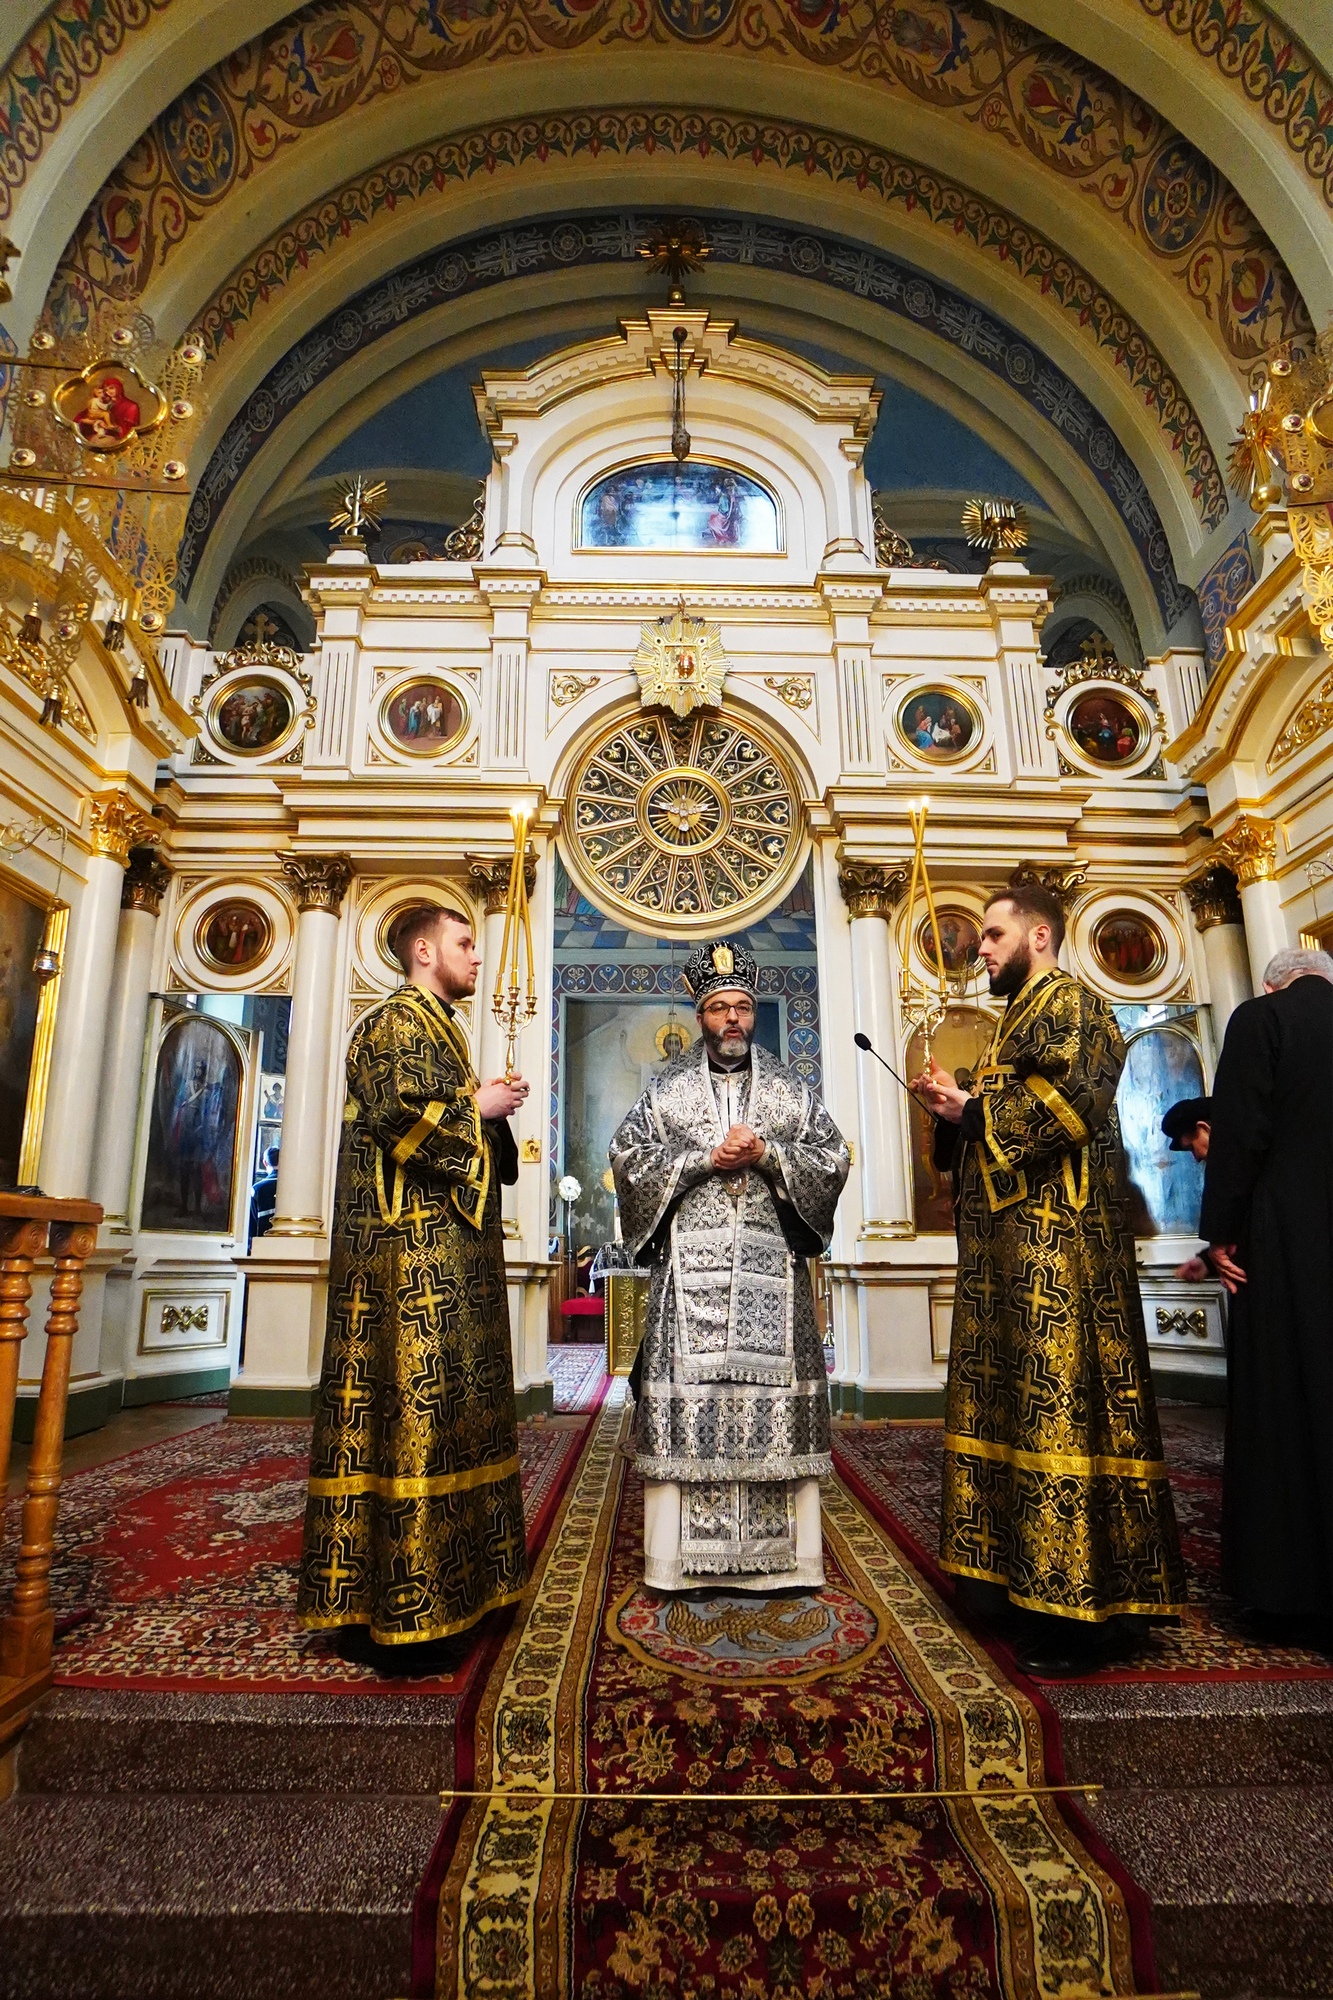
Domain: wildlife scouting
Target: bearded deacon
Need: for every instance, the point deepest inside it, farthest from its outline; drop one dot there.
(414, 1524)
(728, 1171)
(1055, 1492)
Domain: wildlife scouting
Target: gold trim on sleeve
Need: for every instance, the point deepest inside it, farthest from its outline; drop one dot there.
(1056, 1461)
(1059, 1107)
(426, 1486)
(413, 1141)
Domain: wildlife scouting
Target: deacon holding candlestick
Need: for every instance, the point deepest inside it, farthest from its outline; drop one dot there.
(414, 1526)
(1055, 1493)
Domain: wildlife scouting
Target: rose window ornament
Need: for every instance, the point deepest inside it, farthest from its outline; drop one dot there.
(672, 822)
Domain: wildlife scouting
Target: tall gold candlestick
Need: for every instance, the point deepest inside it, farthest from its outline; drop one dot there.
(922, 1011)
(514, 1002)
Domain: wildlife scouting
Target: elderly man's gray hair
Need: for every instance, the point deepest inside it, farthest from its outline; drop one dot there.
(1284, 966)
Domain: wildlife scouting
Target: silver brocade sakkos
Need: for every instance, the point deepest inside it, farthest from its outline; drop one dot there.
(734, 1385)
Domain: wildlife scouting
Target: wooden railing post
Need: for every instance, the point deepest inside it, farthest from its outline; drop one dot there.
(21, 1243)
(27, 1630)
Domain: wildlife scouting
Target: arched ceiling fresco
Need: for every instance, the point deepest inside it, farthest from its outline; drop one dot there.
(1133, 193)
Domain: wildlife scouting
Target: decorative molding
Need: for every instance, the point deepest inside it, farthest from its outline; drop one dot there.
(320, 881)
(681, 663)
(797, 690)
(118, 825)
(1313, 718)
(1222, 590)
(477, 263)
(870, 889)
(147, 879)
(1213, 897)
(1066, 879)
(567, 688)
(1183, 1319)
(1249, 849)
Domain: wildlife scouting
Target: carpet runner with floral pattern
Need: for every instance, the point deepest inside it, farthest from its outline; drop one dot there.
(810, 1796)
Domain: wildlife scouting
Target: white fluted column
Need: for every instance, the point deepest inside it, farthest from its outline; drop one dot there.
(142, 889)
(85, 988)
(1221, 927)
(287, 1271)
(1249, 849)
(870, 893)
(321, 883)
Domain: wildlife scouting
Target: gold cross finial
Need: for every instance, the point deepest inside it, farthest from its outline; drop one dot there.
(360, 509)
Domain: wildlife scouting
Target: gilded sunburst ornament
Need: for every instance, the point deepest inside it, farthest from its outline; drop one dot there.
(680, 663)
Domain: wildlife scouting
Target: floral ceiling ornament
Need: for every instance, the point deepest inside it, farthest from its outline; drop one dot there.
(680, 663)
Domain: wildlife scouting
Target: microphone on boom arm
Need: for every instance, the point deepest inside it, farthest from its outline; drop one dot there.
(864, 1042)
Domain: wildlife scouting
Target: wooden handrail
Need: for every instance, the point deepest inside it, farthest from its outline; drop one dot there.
(30, 1224)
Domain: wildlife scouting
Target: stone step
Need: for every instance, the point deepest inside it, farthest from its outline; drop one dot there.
(1196, 1734)
(1241, 1884)
(95, 1740)
(247, 1897)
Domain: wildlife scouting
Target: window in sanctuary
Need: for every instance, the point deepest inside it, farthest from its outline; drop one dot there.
(664, 506)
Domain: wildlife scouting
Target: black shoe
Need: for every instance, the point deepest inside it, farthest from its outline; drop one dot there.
(1063, 1648)
(981, 1603)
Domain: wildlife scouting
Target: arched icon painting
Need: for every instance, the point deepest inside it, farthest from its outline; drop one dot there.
(233, 935)
(1105, 728)
(424, 717)
(663, 505)
(253, 715)
(1129, 946)
(937, 724)
(189, 1177)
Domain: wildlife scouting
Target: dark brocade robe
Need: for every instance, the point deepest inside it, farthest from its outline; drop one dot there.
(414, 1524)
(1269, 1190)
(1054, 1484)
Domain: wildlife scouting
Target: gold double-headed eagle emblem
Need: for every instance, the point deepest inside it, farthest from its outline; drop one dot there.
(680, 663)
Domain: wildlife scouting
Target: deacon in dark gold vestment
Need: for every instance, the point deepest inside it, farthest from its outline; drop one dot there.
(414, 1524)
(1054, 1484)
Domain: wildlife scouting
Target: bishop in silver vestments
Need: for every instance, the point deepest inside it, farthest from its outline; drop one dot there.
(728, 1171)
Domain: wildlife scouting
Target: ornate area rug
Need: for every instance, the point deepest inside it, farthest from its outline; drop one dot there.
(673, 1879)
(896, 1469)
(578, 1372)
(176, 1565)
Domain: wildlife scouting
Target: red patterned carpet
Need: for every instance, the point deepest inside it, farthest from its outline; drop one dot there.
(176, 1565)
(868, 1686)
(578, 1371)
(897, 1468)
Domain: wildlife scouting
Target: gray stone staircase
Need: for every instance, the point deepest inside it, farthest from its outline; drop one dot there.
(219, 1846)
(1219, 1800)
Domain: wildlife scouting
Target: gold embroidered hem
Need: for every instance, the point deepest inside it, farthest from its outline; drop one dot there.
(447, 1631)
(1058, 1461)
(1054, 1483)
(415, 1488)
(1100, 1616)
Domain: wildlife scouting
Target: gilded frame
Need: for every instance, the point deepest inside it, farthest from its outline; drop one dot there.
(223, 689)
(399, 686)
(928, 760)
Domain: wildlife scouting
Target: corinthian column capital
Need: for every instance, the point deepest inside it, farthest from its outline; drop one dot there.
(147, 880)
(320, 880)
(1212, 896)
(118, 825)
(490, 879)
(1249, 849)
(869, 889)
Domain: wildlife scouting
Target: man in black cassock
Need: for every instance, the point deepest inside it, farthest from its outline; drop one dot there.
(1267, 1219)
